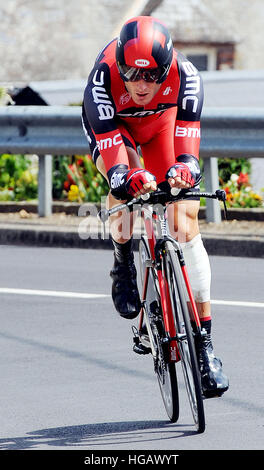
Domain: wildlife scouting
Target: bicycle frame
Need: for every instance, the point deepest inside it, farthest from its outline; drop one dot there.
(165, 343)
(155, 248)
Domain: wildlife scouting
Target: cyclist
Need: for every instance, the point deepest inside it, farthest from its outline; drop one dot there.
(142, 92)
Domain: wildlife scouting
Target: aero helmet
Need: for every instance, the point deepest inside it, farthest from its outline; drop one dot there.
(144, 49)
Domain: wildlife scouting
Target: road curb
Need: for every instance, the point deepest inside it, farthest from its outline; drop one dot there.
(248, 247)
(67, 237)
(73, 208)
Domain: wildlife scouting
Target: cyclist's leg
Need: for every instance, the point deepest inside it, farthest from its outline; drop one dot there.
(183, 219)
(184, 226)
(159, 154)
(124, 287)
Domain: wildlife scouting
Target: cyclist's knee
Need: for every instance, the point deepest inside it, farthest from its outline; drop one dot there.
(183, 220)
(133, 157)
(198, 267)
(121, 223)
(101, 167)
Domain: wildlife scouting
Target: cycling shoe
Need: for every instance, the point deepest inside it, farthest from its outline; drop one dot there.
(125, 293)
(214, 381)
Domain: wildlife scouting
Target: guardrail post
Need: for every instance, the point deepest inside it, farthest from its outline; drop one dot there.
(45, 185)
(213, 209)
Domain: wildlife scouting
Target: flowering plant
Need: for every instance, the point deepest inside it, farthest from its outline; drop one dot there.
(239, 192)
(82, 181)
(18, 178)
(234, 178)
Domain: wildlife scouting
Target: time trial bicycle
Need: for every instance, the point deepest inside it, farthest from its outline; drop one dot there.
(169, 324)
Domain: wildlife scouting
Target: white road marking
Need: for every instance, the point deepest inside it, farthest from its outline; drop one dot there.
(85, 295)
(51, 293)
(237, 303)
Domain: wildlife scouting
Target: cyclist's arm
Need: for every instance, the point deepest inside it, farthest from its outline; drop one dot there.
(100, 111)
(190, 102)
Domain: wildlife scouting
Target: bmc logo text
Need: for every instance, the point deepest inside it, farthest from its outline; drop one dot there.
(117, 179)
(187, 132)
(108, 142)
(100, 97)
(192, 85)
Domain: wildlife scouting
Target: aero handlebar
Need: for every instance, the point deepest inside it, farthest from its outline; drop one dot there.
(162, 197)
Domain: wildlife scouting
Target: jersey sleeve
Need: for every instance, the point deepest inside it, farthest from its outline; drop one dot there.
(190, 103)
(100, 111)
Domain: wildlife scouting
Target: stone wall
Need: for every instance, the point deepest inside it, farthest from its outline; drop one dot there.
(47, 40)
(245, 19)
(219, 21)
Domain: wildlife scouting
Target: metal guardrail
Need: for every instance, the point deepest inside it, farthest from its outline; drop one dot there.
(57, 130)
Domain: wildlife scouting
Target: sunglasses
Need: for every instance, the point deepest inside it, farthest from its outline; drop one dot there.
(134, 74)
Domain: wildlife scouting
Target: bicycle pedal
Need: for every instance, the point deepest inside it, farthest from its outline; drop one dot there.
(141, 349)
(138, 347)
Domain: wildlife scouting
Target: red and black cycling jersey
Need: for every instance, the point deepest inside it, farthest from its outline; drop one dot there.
(113, 120)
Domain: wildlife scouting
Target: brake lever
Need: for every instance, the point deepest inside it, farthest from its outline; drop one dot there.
(225, 210)
(221, 196)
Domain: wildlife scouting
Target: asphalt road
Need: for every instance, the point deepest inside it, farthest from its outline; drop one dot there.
(69, 378)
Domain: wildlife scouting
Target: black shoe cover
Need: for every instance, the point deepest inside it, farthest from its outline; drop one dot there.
(214, 381)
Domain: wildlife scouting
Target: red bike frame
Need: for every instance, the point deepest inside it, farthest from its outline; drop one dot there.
(169, 323)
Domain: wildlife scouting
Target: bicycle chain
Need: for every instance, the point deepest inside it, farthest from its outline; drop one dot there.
(159, 362)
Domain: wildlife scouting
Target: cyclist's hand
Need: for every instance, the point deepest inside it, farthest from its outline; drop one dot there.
(140, 181)
(185, 173)
(179, 176)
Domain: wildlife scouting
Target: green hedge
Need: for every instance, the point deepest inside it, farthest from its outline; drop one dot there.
(75, 178)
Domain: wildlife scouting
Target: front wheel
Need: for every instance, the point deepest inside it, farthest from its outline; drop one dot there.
(184, 335)
(165, 371)
(167, 379)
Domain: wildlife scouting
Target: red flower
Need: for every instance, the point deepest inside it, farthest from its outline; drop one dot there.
(66, 185)
(227, 190)
(243, 179)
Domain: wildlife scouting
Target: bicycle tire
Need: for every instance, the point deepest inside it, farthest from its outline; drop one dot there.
(185, 339)
(165, 371)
